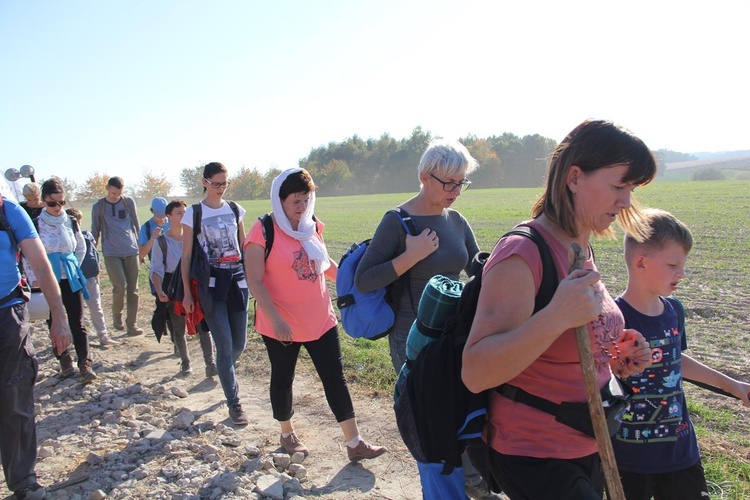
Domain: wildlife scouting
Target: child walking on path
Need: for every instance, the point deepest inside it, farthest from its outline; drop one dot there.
(656, 448)
(163, 265)
(91, 267)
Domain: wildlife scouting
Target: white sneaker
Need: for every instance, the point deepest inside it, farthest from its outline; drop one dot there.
(105, 340)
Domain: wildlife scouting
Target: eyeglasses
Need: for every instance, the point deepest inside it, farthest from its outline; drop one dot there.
(453, 186)
(218, 184)
(53, 204)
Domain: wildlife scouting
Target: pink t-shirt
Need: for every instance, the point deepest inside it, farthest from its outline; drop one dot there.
(518, 429)
(298, 292)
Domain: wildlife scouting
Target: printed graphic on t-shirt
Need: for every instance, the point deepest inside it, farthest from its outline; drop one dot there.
(656, 411)
(219, 240)
(304, 268)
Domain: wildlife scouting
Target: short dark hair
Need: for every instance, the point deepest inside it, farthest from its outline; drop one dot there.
(75, 213)
(52, 186)
(298, 182)
(174, 204)
(116, 182)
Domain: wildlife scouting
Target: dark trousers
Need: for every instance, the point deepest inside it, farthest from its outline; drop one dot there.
(548, 478)
(685, 484)
(18, 370)
(328, 360)
(161, 319)
(73, 303)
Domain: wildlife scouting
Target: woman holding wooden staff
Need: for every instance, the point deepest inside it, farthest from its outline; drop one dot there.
(535, 451)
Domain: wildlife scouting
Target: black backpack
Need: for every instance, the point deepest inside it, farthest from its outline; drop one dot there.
(435, 412)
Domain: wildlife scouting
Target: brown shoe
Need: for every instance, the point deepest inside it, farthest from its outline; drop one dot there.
(237, 416)
(87, 374)
(134, 331)
(292, 444)
(364, 451)
(66, 365)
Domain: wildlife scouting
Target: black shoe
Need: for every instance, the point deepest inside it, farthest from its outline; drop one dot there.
(32, 492)
(211, 370)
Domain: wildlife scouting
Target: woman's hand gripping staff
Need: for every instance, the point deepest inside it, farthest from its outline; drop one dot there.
(594, 397)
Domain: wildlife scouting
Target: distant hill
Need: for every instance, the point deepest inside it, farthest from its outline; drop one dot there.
(739, 162)
(720, 154)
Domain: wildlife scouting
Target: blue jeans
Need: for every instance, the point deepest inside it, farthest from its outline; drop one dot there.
(229, 331)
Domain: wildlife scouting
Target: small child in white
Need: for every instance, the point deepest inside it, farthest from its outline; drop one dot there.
(91, 267)
(656, 448)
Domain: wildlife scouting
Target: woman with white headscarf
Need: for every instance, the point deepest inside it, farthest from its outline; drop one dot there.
(294, 308)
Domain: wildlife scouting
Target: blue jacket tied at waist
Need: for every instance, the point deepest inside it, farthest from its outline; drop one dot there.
(76, 279)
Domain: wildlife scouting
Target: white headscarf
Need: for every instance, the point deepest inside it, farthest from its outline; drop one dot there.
(306, 231)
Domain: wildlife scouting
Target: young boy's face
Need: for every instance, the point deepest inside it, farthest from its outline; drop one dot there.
(663, 269)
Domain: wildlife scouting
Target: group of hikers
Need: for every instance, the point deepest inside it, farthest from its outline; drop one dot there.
(203, 267)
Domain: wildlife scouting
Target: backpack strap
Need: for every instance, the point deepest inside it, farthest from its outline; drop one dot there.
(268, 231)
(406, 220)
(411, 229)
(162, 241)
(549, 283)
(5, 225)
(148, 230)
(130, 206)
(100, 215)
(680, 309)
(197, 216)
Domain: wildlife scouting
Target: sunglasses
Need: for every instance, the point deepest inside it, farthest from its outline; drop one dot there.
(53, 204)
(217, 184)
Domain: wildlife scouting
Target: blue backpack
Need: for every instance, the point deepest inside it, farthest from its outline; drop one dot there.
(366, 315)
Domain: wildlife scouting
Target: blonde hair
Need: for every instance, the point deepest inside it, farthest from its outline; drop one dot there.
(446, 158)
(660, 228)
(31, 190)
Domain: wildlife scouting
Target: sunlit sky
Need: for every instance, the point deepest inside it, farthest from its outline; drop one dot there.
(120, 87)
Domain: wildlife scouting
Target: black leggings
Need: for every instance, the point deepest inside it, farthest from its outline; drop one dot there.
(73, 303)
(327, 358)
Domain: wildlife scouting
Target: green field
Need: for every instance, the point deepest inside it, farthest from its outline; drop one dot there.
(715, 293)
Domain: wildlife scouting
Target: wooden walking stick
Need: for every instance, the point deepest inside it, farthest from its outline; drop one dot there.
(594, 398)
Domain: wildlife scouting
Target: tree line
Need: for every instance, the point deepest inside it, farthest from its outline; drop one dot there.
(368, 166)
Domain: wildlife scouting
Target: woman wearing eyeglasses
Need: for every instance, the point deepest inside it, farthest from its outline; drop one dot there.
(222, 292)
(65, 247)
(444, 244)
